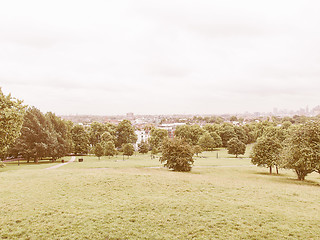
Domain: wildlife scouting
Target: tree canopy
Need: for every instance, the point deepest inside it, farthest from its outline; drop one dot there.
(177, 155)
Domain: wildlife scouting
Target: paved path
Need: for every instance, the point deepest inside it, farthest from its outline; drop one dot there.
(61, 164)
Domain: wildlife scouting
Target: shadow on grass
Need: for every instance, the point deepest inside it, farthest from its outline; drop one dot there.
(284, 178)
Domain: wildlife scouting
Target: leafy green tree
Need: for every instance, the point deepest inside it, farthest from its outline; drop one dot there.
(60, 142)
(143, 147)
(226, 132)
(125, 133)
(80, 140)
(266, 152)
(190, 133)
(98, 150)
(110, 149)
(236, 147)
(177, 155)
(35, 139)
(106, 137)
(241, 134)
(95, 132)
(197, 149)
(302, 149)
(11, 119)
(206, 142)
(157, 136)
(128, 149)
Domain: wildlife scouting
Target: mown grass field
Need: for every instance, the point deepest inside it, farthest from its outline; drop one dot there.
(224, 198)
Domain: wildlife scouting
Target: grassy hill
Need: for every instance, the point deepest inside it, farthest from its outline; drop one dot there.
(224, 198)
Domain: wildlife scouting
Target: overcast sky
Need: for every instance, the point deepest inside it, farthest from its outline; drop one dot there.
(161, 57)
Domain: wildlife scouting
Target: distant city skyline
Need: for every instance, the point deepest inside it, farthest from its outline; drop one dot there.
(167, 57)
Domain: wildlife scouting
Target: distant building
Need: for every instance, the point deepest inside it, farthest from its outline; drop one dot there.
(142, 136)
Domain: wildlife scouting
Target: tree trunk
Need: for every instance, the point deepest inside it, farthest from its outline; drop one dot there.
(301, 175)
(270, 169)
(277, 169)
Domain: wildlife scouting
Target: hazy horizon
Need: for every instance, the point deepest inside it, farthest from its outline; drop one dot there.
(168, 57)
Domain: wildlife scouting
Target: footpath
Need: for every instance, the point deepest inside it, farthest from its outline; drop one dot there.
(61, 164)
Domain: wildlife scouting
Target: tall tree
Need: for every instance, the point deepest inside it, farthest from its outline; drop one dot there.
(35, 139)
(60, 135)
(80, 140)
(11, 119)
(302, 149)
(125, 133)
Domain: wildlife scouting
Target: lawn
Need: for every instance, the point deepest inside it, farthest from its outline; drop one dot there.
(134, 199)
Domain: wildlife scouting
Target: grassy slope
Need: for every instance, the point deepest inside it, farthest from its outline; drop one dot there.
(100, 199)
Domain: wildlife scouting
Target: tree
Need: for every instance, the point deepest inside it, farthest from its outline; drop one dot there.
(35, 140)
(190, 133)
(197, 149)
(98, 150)
(236, 147)
(125, 133)
(128, 149)
(11, 119)
(157, 136)
(226, 132)
(95, 132)
(302, 149)
(266, 152)
(110, 149)
(80, 139)
(177, 155)
(60, 134)
(206, 142)
(143, 147)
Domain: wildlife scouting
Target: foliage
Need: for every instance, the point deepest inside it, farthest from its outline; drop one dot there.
(302, 149)
(197, 149)
(266, 152)
(98, 150)
(177, 155)
(236, 147)
(36, 139)
(60, 134)
(11, 119)
(157, 136)
(190, 133)
(95, 132)
(125, 133)
(207, 143)
(80, 139)
(143, 147)
(226, 132)
(128, 149)
(110, 149)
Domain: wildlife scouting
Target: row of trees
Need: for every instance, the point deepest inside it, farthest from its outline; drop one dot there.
(28, 133)
(294, 147)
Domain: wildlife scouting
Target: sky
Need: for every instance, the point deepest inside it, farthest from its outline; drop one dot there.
(111, 57)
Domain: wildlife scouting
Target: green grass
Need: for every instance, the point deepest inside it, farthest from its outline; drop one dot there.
(108, 199)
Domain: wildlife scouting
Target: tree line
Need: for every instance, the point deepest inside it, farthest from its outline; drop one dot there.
(292, 143)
